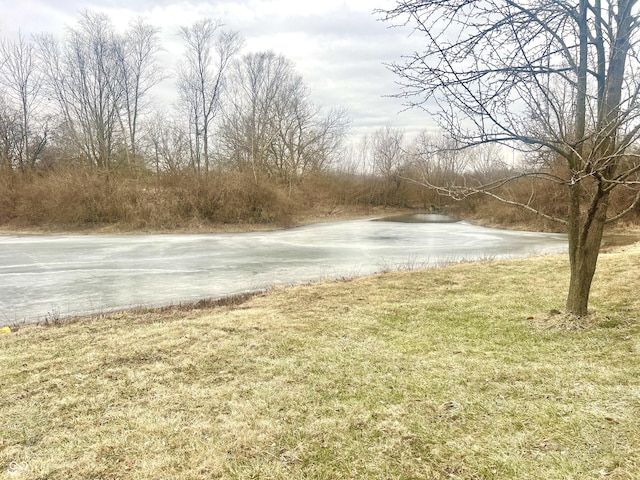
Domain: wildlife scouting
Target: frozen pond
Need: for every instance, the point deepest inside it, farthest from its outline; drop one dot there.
(62, 275)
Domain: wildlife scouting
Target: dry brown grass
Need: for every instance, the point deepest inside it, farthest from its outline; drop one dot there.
(436, 374)
(93, 201)
(90, 201)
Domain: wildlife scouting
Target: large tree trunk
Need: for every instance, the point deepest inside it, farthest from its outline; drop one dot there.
(585, 230)
(585, 236)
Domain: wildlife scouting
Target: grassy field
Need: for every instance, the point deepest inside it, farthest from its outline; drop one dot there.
(459, 372)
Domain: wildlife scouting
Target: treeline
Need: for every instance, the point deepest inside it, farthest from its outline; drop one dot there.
(385, 171)
(86, 100)
(489, 183)
(83, 142)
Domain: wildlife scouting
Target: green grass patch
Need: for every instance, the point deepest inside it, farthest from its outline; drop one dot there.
(455, 372)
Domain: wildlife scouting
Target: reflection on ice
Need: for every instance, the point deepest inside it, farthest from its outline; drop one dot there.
(71, 275)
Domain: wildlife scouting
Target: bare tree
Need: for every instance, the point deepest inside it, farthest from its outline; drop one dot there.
(440, 159)
(389, 156)
(272, 127)
(320, 144)
(82, 76)
(168, 142)
(388, 151)
(201, 79)
(258, 82)
(20, 76)
(138, 72)
(487, 160)
(10, 136)
(556, 79)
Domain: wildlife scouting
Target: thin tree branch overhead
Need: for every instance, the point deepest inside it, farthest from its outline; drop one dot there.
(549, 77)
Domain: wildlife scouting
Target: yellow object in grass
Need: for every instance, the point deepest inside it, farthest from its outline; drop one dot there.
(5, 330)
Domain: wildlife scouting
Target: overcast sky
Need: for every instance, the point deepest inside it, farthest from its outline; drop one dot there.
(339, 46)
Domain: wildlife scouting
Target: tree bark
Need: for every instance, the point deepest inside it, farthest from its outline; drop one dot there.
(584, 247)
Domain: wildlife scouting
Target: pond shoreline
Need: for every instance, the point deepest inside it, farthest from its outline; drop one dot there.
(49, 277)
(336, 215)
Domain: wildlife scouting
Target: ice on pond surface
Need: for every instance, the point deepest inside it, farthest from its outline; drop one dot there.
(64, 275)
(421, 218)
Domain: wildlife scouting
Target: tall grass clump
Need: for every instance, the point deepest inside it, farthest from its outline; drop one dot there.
(88, 198)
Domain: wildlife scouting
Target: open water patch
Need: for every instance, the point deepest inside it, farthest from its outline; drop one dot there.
(420, 218)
